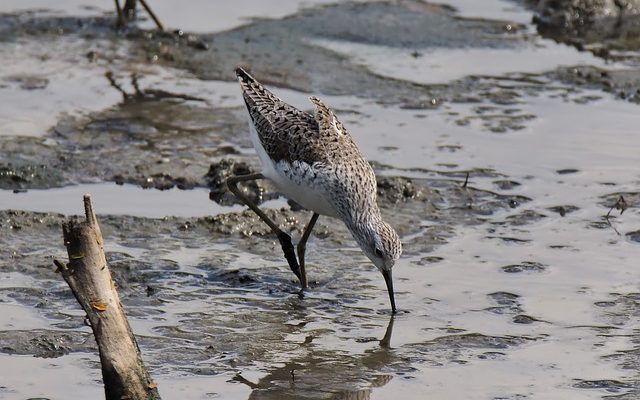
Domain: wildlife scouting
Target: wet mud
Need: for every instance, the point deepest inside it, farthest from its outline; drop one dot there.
(318, 69)
(511, 257)
(599, 26)
(151, 279)
(608, 29)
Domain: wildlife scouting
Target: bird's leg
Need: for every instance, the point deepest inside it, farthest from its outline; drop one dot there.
(302, 245)
(285, 239)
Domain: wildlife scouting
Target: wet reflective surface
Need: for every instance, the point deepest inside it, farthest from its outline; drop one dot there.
(520, 284)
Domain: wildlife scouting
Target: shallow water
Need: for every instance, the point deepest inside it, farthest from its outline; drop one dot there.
(118, 200)
(441, 65)
(516, 287)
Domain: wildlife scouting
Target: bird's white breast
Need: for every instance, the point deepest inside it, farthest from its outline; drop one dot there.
(296, 180)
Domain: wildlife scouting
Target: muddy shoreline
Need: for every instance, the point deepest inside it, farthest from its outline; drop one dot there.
(499, 276)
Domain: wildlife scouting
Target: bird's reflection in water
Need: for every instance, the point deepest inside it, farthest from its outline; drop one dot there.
(328, 374)
(385, 342)
(364, 394)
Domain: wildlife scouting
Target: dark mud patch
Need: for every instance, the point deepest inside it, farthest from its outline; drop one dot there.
(506, 184)
(427, 260)
(633, 236)
(500, 120)
(397, 189)
(29, 23)
(498, 104)
(622, 311)
(525, 266)
(622, 83)
(506, 303)
(602, 27)
(158, 143)
(524, 319)
(567, 171)
(220, 171)
(563, 209)
(462, 348)
(20, 175)
(524, 217)
(46, 343)
(611, 386)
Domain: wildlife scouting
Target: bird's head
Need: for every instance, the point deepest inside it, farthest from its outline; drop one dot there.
(380, 242)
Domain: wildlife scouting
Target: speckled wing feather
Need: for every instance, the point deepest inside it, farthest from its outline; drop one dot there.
(289, 134)
(321, 141)
(282, 128)
(344, 160)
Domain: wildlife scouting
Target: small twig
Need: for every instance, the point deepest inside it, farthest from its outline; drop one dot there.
(120, 21)
(612, 227)
(466, 181)
(153, 16)
(136, 86)
(114, 84)
(128, 13)
(621, 205)
(129, 9)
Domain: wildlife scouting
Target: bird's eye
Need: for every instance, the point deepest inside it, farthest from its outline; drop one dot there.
(378, 252)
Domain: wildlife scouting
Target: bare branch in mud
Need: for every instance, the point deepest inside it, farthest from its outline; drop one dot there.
(128, 13)
(152, 14)
(120, 21)
(115, 85)
(621, 205)
(89, 277)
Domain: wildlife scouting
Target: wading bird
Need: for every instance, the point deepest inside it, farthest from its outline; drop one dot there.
(313, 160)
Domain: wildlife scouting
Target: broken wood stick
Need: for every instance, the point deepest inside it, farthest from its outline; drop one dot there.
(88, 276)
(128, 13)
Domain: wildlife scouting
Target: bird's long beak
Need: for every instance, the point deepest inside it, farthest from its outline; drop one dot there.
(389, 281)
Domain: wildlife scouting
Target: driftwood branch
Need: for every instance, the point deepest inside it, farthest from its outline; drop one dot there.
(127, 13)
(621, 205)
(88, 276)
(152, 15)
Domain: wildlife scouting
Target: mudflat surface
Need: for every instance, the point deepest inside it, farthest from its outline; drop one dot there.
(521, 284)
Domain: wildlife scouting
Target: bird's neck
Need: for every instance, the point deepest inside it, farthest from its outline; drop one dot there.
(363, 221)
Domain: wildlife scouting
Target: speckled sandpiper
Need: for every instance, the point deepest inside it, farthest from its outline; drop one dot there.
(313, 160)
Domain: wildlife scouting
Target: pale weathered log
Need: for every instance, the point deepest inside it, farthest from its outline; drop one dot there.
(87, 273)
